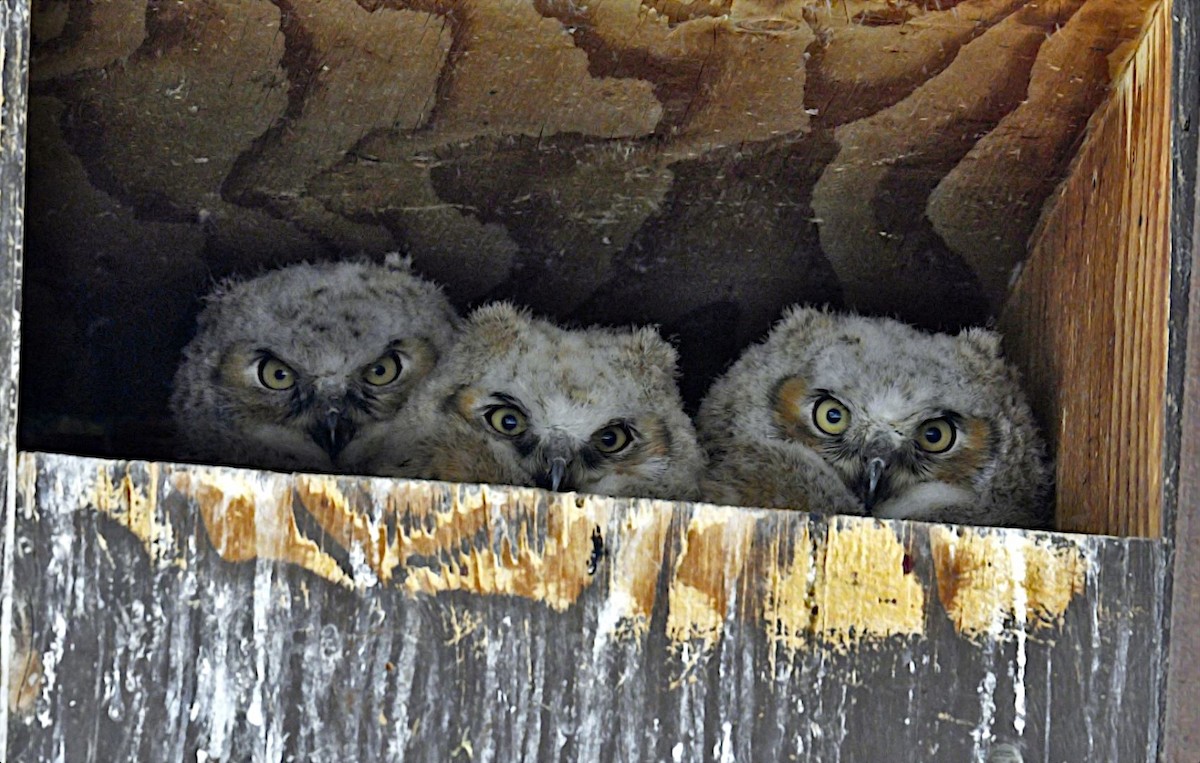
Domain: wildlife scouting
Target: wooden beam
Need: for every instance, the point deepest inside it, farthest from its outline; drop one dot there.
(1182, 729)
(220, 614)
(1088, 319)
(14, 68)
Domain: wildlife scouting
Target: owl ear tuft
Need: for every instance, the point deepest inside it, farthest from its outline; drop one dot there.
(649, 351)
(497, 324)
(980, 342)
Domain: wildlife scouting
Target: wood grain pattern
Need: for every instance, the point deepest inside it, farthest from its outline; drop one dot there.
(1088, 319)
(662, 631)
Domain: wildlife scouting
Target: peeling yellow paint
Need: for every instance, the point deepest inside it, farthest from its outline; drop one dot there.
(863, 591)
(788, 601)
(711, 557)
(322, 498)
(853, 586)
(135, 507)
(984, 577)
(249, 515)
(633, 570)
(464, 558)
(25, 670)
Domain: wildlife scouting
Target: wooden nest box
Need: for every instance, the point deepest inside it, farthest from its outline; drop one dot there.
(699, 165)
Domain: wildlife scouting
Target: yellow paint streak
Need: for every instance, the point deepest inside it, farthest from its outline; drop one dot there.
(788, 602)
(135, 508)
(448, 544)
(634, 566)
(25, 671)
(464, 557)
(712, 553)
(986, 582)
(249, 516)
(327, 504)
(862, 591)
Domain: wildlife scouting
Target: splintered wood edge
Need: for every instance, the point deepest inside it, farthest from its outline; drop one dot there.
(839, 582)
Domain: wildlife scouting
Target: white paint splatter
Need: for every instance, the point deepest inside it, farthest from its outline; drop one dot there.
(1016, 546)
(723, 751)
(982, 734)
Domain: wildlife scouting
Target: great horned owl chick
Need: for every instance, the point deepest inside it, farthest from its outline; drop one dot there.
(521, 401)
(850, 414)
(304, 367)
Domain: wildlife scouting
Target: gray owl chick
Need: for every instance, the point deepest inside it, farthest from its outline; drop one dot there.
(520, 401)
(304, 367)
(849, 414)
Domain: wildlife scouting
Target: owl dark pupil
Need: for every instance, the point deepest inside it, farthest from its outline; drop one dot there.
(933, 434)
(833, 416)
(379, 370)
(509, 421)
(280, 374)
(609, 438)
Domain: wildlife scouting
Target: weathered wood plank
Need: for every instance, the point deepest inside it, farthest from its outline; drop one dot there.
(1182, 469)
(209, 613)
(1088, 319)
(14, 65)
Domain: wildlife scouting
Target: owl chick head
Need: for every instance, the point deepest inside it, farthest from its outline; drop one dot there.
(302, 367)
(522, 401)
(917, 425)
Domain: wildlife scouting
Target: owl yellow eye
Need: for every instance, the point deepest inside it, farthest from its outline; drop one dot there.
(506, 420)
(275, 374)
(612, 439)
(384, 370)
(830, 416)
(936, 435)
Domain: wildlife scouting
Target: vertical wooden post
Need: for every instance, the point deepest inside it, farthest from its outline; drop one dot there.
(1182, 463)
(1089, 318)
(14, 68)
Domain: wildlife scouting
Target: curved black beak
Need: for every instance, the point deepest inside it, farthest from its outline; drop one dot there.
(333, 432)
(556, 473)
(554, 477)
(875, 471)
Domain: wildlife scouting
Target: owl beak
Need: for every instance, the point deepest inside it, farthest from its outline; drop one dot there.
(558, 468)
(875, 469)
(558, 457)
(333, 433)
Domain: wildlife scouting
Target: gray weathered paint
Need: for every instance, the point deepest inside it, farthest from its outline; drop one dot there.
(14, 68)
(1182, 468)
(197, 658)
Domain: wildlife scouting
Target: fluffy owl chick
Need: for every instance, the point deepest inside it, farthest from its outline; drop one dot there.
(303, 367)
(520, 401)
(851, 414)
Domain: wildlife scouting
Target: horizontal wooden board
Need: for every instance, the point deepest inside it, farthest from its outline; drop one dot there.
(168, 612)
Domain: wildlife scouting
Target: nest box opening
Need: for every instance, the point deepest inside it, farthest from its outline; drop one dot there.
(695, 165)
